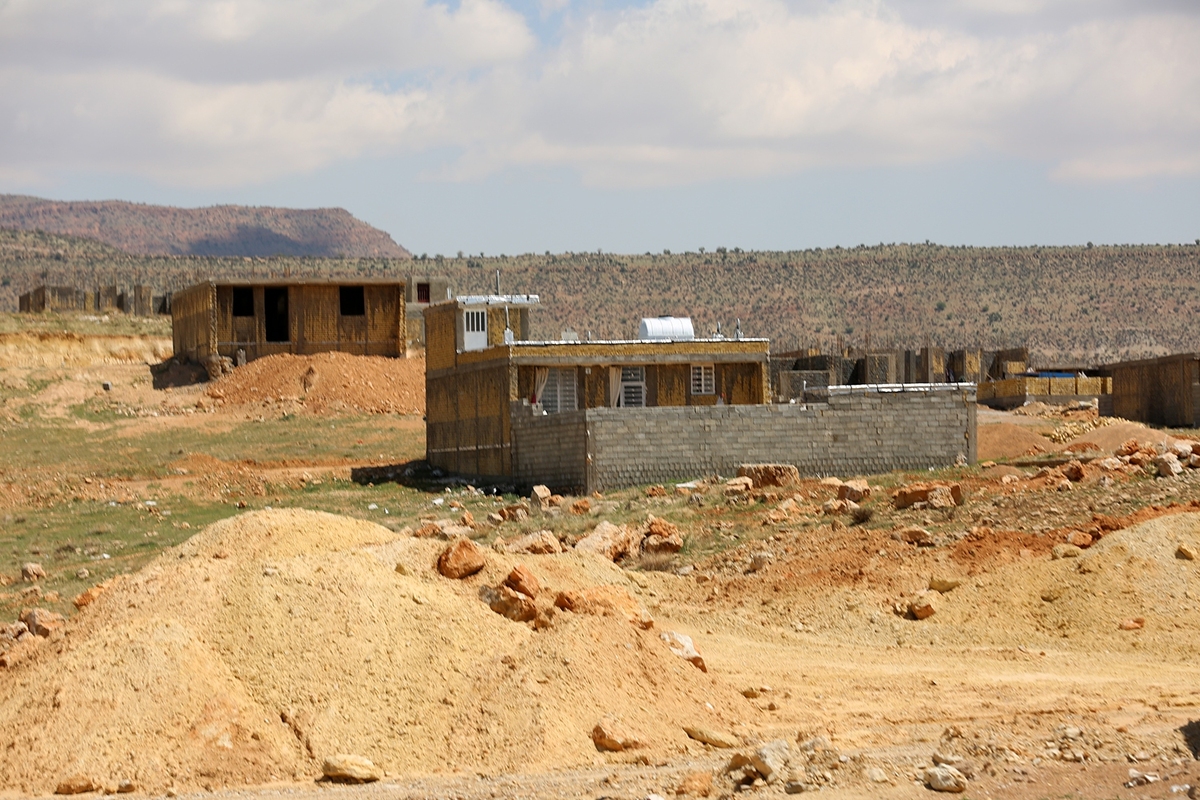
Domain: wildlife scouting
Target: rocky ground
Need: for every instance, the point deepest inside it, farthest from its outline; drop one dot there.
(1021, 628)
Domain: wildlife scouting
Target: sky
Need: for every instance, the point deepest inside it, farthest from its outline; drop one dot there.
(510, 126)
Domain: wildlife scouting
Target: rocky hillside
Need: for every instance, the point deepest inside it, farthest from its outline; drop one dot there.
(1069, 305)
(214, 231)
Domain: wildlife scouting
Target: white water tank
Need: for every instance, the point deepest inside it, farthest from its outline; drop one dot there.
(666, 329)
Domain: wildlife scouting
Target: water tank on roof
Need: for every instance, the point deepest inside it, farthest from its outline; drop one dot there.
(674, 329)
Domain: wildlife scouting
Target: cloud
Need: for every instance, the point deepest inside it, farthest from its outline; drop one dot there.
(672, 92)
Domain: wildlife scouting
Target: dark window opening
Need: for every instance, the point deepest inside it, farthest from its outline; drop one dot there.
(243, 302)
(353, 301)
(422, 292)
(276, 301)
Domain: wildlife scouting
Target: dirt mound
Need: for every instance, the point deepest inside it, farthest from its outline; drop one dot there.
(1006, 440)
(1110, 437)
(274, 639)
(328, 382)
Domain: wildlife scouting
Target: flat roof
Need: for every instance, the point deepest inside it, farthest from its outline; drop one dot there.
(302, 282)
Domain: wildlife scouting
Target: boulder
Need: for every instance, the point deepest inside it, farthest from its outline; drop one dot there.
(946, 495)
(875, 775)
(611, 735)
(346, 768)
(711, 737)
(923, 606)
(854, 491)
(507, 602)
(32, 572)
(661, 537)
(428, 530)
(1194, 461)
(523, 580)
(761, 560)
(514, 513)
(1182, 449)
(1065, 551)
(657, 490)
(536, 543)
(681, 645)
(581, 507)
(467, 520)
(696, 784)
(944, 583)
(42, 622)
(1185, 552)
(460, 559)
(88, 596)
(739, 487)
(1073, 471)
(608, 540)
(771, 760)
(833, 507)
(1109, 464)
(1134, 624)
(1168, 465)
(914, 535)
(770, 474)
(539, 500)
(1080, 539)
(77, 784)
(944, 778)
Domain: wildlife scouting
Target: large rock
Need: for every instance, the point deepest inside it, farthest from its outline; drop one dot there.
(854, 491)
(536, 543)
(696, 784)
(711, 737)
(88, 596)
(923, 606)
(539, 500)
(1168, 465)
(77, 784)
(608, 540)
(523, 580)
(738, 487)
(507, 602)
(771, 760)
(661, 537)
(934, 495)
(611, 734)
(915, 535)
(32, 572)
(42, 622)
(943, 778)
(681, 645)
(345, 768)
(770, 474)
(460, 559)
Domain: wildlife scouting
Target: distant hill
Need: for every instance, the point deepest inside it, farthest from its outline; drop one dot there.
(213, 231)
(1069, 305)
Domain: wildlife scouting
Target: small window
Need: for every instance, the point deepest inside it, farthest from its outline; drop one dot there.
(475, 330)
(243, 301)
(353, 301)
(422, 292)
(633, 387)
(704, 380)
(559, 394)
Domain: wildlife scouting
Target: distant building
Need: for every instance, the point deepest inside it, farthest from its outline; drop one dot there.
(590, 415)
(420, 292)
(251, 319)
(1160, 391)
(54, 298)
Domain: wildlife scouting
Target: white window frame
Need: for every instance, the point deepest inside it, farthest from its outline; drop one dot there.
(704, 379)
(559, 394)
(633, 387)
(475, 331)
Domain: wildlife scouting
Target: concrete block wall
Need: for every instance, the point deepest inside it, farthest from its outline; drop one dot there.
(549, 448)
(858, 432)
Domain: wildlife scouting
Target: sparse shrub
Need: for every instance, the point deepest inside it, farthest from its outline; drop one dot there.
(862, 515)
(656, 562)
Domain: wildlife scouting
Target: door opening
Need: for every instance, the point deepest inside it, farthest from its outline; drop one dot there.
(276, 301)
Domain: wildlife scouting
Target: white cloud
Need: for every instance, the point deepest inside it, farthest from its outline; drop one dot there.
(677, 91)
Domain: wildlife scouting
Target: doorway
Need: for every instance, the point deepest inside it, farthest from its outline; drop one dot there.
(275, 298)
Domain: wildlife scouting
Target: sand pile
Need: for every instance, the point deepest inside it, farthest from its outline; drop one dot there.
(1080, 602)
(1007, 440)
(1112, 436)
(274, 639)
(328, 382)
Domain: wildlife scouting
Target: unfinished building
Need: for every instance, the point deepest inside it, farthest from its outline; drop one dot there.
(1160, 391)
(422, 290)
(54, 298)
(589, 415)
(245, 320)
